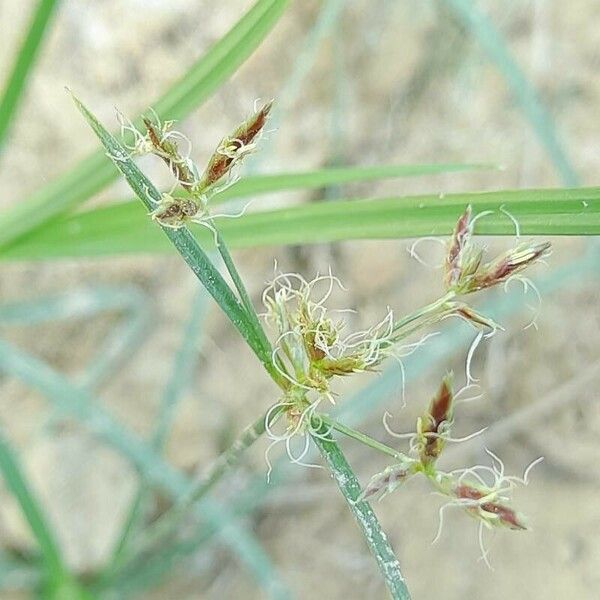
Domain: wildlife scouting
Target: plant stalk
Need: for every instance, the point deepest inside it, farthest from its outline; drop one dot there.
(363, 513)
(361, 437)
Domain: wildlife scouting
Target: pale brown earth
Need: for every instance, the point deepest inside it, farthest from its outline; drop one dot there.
(414, 89)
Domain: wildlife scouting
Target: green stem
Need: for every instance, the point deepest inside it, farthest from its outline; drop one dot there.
(363, 513)
(236, 278)
(245, 300)
(360, 437)
(425, 311)
(276, 362)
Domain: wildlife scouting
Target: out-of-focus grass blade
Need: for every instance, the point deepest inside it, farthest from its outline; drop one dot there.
(80, 405)
(482, 28)
(82, 303)
(25, 60)
(17, 575)
(264, 184)
(119, 229)
(94, 172)
(179, 380)
(328, 15)
(57, 577)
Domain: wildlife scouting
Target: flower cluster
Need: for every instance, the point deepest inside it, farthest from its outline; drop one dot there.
(466, 273)
(161, 140)
(482, 492)
(489, 502)
(313, 344)
(432, 432)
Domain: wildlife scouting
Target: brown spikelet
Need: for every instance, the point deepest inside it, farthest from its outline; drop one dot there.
(387, 481)
(506, 516)
(437, 419)
(507, 265)
(248, 130)
(168, 152)
(458, 242)
(220, 164)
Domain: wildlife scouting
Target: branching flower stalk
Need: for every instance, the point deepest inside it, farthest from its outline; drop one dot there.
(317, 350)
(312, 348)
(175, 212)
(163, 141)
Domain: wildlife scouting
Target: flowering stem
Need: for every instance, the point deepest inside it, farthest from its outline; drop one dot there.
(425, 311)
(237, 280)
(362, 511)
(273, 370)
(189, 249)
(361, 437)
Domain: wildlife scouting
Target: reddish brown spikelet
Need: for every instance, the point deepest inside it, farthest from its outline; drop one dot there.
(477, 319)
(506, 515)
(168, 152)
(466, 492)
(220, 164)
(459, 236)
(509, 264)
(152, 134)
(247, 131)
(217, 168)
(438, 417)
(387, 481)
(458, 242)
(441, 404)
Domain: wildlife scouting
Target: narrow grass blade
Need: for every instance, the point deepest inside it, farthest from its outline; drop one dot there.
(254, 185)
(363, 513)
(15, 85)
(75, 304)
(108, 231)
(82, 303)
(94, 172)
(490, 39)
(179, 380)
(79, 405)
(328, 15)
(187, 246)
(17, 575)
(57, 577)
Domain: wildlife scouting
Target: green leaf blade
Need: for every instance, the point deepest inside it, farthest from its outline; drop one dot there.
(263, 184)
(118, 229)
(93, 173)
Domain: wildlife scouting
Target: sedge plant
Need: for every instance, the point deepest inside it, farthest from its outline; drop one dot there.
(305, 347)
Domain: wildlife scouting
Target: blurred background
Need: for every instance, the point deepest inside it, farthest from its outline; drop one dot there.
(356, 83)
